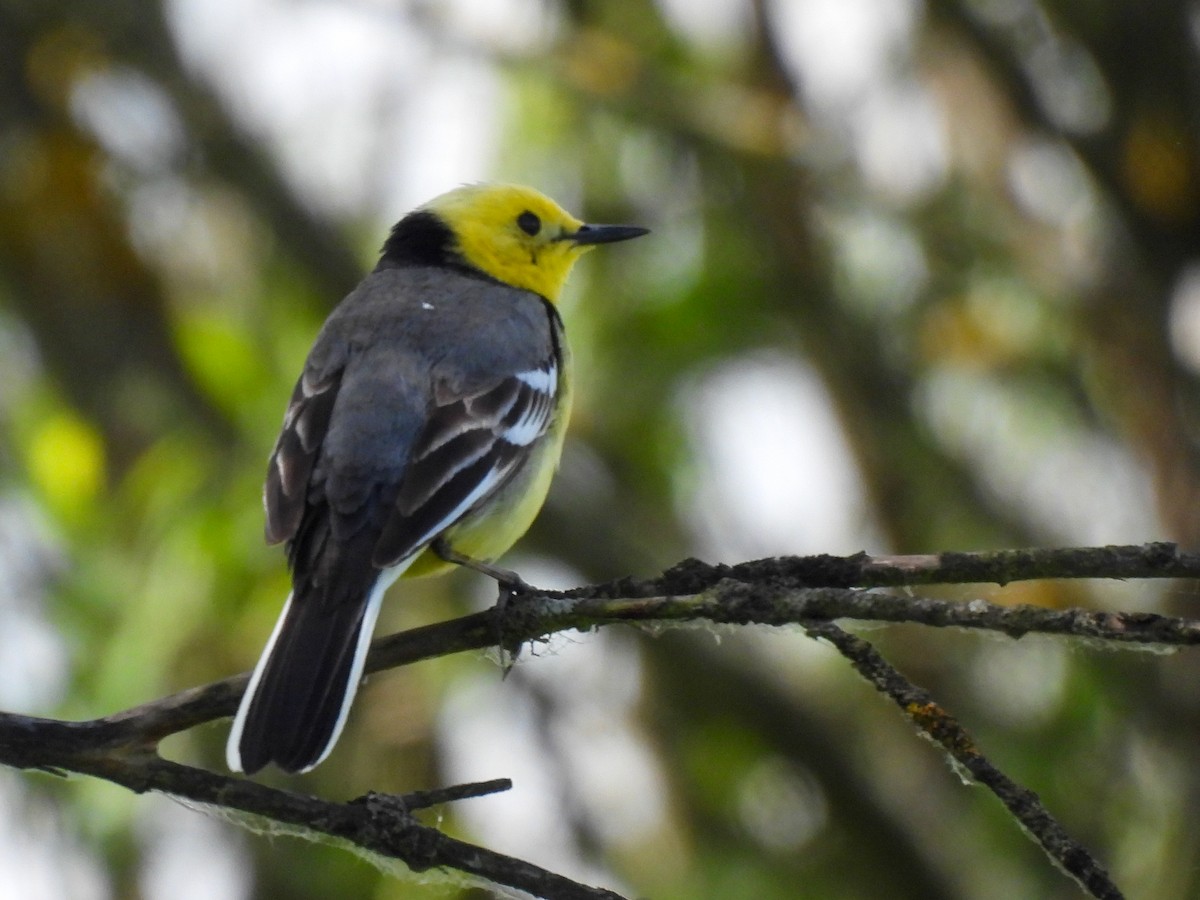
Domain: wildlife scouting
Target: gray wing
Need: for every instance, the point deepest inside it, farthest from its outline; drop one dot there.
(285, 495)
(384, 448)
(472, 445)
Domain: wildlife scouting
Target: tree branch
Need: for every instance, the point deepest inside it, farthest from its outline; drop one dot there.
(807, 591)
(933, 721)
(381, 824)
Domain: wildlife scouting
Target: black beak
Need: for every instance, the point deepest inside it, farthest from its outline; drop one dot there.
(605, 234)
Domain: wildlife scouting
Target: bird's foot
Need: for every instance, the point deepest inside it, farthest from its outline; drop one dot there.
(512, 588)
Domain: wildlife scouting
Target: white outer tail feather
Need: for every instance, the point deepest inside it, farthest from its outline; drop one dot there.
(233, 753)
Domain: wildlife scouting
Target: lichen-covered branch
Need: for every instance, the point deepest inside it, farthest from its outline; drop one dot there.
(932, 720)
(379, 824)
(810, 592)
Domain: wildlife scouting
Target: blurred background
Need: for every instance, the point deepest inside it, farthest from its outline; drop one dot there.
(923, 277)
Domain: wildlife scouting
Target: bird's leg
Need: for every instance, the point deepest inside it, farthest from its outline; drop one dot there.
(510, 582)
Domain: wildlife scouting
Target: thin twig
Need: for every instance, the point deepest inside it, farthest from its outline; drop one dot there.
(1158, 559)
(933, 720)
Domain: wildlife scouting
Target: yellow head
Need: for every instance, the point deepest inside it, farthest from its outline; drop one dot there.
(518, 235)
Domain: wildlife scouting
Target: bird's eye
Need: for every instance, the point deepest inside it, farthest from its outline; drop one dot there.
(529, 223)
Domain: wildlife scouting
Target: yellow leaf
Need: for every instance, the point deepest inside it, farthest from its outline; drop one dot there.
(66, 462)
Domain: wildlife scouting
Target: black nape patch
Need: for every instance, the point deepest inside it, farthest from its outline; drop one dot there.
(420, 239)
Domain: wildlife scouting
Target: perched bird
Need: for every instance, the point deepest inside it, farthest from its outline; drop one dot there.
(424, 431)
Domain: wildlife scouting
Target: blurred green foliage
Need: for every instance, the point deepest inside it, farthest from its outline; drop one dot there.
(968, 229)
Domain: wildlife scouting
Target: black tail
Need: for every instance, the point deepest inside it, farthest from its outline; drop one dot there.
(301, 690)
